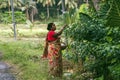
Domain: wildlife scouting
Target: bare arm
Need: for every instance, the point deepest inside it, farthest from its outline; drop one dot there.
(60, 32)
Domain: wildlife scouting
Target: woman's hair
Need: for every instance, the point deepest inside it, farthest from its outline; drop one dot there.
(49, 26)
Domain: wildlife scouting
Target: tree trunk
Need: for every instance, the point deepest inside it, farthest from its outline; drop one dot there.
(8, 8)
(91, 3)
(13, 19)
(48, 12)
(32, 15)
(96, 5)
(79, 2)
(63, 6)
(27, 14)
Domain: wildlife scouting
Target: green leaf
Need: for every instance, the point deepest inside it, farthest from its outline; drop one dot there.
(114, 14)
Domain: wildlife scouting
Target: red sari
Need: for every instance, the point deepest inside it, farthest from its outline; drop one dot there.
(54, 55)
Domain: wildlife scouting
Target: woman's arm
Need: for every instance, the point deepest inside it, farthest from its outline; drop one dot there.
(60, 32)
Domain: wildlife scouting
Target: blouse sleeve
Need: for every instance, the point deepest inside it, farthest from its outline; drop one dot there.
(50, 36)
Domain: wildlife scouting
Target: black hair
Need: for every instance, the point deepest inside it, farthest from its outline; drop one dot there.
(49, 26)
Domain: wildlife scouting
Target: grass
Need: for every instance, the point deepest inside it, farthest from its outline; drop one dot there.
(39, 30)
(26, 55)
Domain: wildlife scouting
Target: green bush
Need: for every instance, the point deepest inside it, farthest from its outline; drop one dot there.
(97, 44)
(7, 17)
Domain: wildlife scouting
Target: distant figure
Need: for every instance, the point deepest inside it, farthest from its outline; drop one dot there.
(52, 50)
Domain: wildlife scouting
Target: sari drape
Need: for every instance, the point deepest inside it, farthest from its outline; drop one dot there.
(55, 58)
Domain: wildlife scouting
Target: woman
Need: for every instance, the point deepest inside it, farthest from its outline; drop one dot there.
(53, 50)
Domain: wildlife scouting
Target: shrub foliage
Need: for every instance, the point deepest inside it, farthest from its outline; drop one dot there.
(96, 40)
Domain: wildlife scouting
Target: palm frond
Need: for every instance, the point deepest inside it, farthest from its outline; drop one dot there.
(113, 18)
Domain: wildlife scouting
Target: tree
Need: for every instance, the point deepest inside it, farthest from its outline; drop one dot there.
(96, 5)
(7, 4)
(70, 4)
(79, 2)
(63, 6)
(47, 3)
(29, 6)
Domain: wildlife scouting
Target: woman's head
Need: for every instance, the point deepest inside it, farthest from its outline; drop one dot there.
(51, 26)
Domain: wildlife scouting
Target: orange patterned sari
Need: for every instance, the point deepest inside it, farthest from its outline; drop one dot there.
(55, 58)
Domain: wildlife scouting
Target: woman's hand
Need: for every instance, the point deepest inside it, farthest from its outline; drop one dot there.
(60, 32)
(64, 26)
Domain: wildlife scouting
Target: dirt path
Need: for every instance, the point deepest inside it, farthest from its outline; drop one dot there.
(5, 70)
